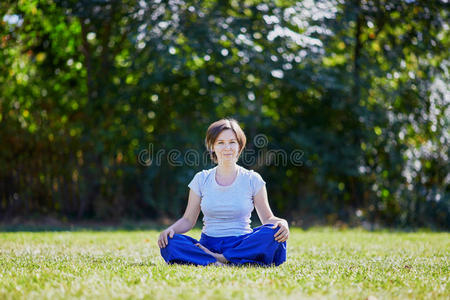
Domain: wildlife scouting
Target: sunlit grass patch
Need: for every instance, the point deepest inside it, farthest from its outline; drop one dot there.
(351, 264)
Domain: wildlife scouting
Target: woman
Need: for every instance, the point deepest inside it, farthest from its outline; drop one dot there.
(226, 195)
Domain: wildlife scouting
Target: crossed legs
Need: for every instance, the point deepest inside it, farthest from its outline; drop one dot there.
(258, 247)
(221, 260)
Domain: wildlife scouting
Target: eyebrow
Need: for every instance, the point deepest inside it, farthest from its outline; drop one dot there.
(228, 140)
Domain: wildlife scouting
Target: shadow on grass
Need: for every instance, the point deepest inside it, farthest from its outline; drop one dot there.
(228, 265)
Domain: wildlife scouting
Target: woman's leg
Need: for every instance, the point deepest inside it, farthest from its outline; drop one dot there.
(219, 257)
(258, 247)
(181, 249)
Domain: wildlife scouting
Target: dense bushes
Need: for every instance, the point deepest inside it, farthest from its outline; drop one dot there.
(352, 96)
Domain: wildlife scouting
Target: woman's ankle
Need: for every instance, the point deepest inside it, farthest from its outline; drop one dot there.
(221, 259)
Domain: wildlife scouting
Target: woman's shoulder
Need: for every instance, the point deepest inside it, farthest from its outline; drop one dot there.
(249, 173)
(253, 178)
(205, 173)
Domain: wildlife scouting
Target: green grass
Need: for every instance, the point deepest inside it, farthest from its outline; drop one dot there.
(322, 263)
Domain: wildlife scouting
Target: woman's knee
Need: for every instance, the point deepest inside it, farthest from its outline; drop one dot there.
(173, 243)
(176, 239)
(268, 228)
(268, 231)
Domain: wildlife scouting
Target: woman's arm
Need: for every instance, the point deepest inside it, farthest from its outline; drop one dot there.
(266, 216)
(185, 223)
(263, 209)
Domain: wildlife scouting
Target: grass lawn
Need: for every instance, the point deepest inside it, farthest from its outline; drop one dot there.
(321, 263)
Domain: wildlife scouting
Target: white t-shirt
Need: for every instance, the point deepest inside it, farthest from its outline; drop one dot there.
(226, 209)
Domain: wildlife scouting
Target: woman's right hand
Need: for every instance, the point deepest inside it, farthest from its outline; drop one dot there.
(163, 239)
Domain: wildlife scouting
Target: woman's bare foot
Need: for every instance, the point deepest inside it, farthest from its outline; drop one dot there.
(220, 258)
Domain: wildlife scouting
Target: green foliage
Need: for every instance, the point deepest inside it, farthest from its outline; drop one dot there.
(359, 87)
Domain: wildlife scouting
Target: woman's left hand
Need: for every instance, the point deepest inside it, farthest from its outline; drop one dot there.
(283, 233)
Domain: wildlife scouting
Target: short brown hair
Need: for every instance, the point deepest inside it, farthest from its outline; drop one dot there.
(216, 128)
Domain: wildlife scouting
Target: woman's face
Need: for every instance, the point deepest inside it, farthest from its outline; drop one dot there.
(226, 147)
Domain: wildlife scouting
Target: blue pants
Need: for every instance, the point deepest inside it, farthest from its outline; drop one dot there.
(257, 247)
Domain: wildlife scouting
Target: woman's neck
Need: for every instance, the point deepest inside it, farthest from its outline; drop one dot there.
(226, 170)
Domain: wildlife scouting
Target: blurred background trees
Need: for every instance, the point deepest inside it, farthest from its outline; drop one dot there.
(359, 87)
